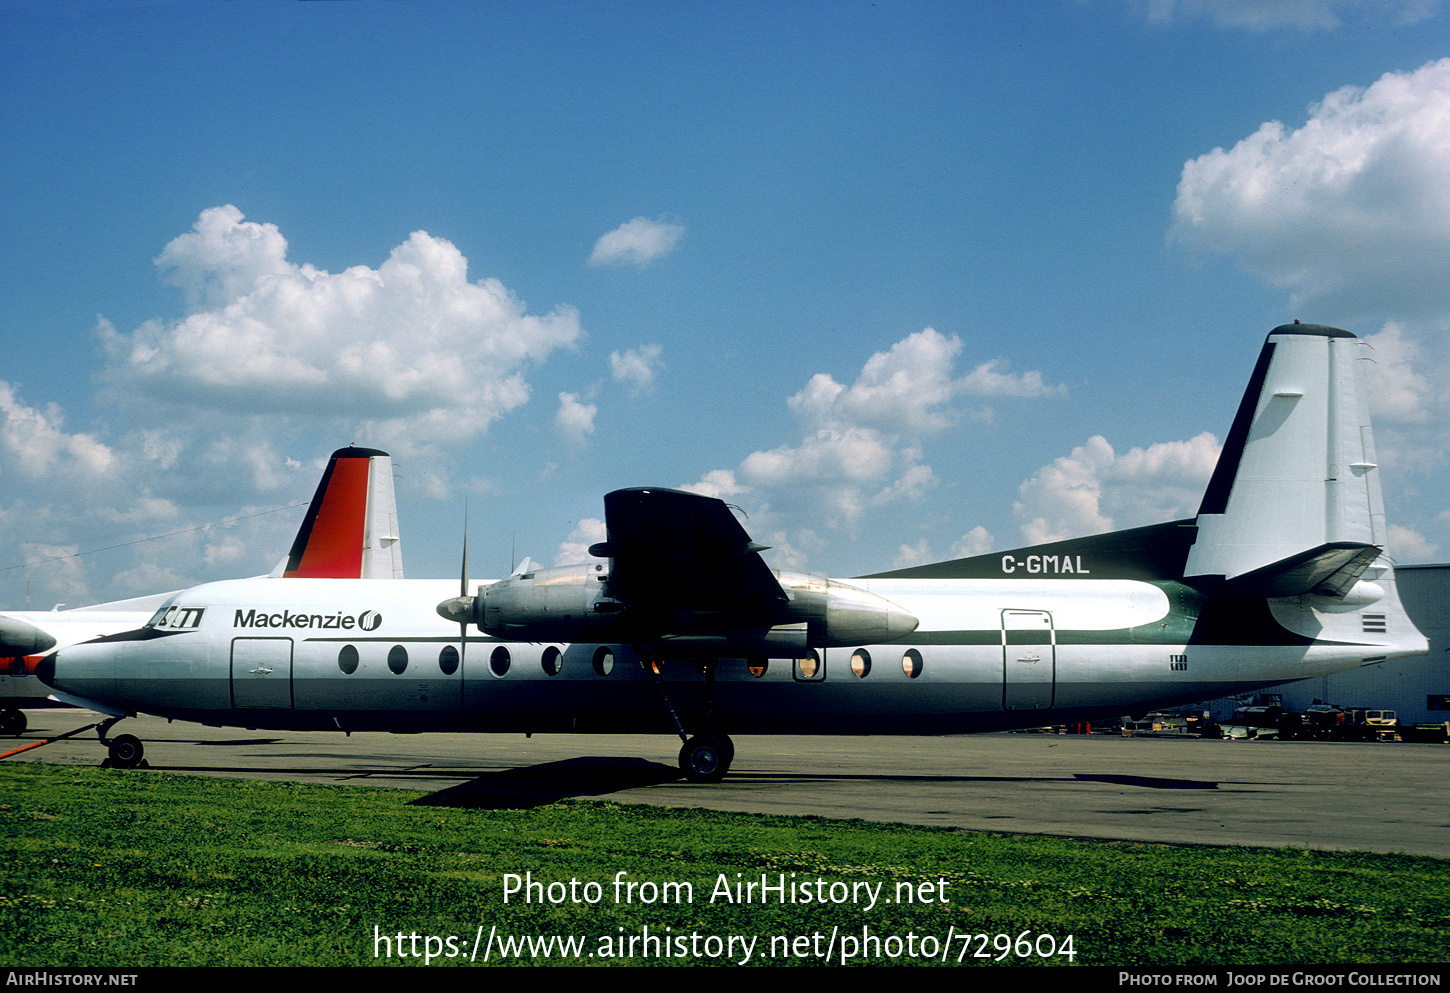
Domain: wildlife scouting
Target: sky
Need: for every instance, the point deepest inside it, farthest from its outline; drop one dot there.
(901, 281)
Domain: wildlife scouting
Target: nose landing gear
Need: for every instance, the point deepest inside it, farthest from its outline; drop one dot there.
(125, 750)
(12, 722)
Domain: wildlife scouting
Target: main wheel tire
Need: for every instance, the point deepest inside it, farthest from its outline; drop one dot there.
(127, 751)
(706, 758)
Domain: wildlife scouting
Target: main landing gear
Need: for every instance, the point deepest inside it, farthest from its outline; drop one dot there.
(705, 758)
(126, 750)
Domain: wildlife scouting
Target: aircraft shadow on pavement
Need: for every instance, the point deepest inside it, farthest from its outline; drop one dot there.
(538, 785)
(1150, 782)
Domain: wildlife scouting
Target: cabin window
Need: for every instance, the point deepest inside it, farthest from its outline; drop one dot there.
(552, 661)
(347, 659)
(861, 663)
(808, 667)
(603, 661)
(499, 661)
(911, 663)
(448, 660)
(398, 659)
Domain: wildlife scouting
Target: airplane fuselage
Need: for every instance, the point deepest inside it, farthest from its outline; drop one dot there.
(357, 655)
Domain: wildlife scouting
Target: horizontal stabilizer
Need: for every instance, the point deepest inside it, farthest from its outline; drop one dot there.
(1331, 570)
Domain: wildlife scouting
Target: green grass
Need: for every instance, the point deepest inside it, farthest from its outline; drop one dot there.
(129, 868)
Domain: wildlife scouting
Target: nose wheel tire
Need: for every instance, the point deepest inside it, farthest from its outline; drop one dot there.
(706, 758)
(12, 722)
(126, 751)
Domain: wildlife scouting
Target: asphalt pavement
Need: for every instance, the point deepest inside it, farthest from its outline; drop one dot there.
(1380, 797)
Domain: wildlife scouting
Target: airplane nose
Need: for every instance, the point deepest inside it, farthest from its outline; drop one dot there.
(45, 669)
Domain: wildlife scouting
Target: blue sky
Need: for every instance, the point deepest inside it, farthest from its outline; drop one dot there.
(903, 281)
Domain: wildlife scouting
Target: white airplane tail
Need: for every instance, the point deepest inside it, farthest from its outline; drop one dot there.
(1288, 545)
(1294, 506)
(351, 529)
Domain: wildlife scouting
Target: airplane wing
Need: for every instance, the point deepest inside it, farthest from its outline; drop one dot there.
(672, 550)
(683, 572)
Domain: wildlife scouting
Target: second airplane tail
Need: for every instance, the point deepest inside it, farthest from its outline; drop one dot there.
(351, 528)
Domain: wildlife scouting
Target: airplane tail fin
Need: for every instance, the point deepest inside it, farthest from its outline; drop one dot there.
(351, 529)
(1294, 505)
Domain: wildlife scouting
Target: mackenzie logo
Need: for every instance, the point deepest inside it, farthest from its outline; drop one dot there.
(368, 620)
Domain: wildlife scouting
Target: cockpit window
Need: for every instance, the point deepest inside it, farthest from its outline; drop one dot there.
(157, 617)
(189, 617)
(177, 618)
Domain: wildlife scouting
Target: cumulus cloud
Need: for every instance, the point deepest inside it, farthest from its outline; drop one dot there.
(1395, 376)
(1094, 489)
(859, 443)
(909, 388)
(37, 442)
(575, 420)
(1408, 545)
(910, 555)
(1259, 15)
(575, 548)
(637, 242)
(977, 541)
(636, 367)
(1350, 212)
(140, 503)
(222, 259)
(718, 483)
(411, 351)
(860, 449)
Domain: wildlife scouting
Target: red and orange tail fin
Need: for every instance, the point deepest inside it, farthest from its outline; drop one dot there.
(351, 529)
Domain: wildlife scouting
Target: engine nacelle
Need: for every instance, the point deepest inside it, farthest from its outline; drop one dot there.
(572, 603)
(565, 603)
(841, 615)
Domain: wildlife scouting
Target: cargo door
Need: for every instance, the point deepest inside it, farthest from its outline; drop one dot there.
(1029, 660)
(262, 673)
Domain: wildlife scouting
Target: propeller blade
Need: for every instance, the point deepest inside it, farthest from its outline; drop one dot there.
(463, 599)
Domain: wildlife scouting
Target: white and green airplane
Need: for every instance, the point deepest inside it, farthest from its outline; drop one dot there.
(682, 628)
